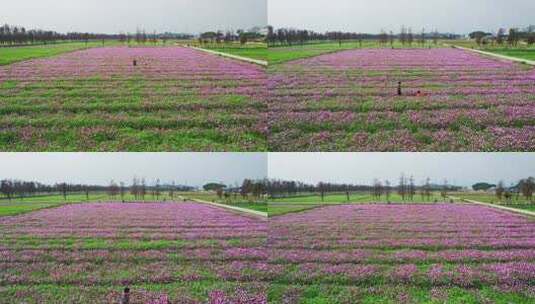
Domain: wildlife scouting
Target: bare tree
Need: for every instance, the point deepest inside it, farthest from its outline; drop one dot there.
(157, 190)
(383, 38)
(64, 190)
(7, 189)
(500, 189)
(527, 186)
(387, 190)
(143, 189)
(513, 37)
(86, 189)
(321, 188)
(422, 38)
(402, 187)
(412, 188)
(410, 37)
(134, 190)
(435, 37)
(427, 189)
(377, 189)
(113, 189)
(403, 35)
(172, 191)
(444, 190)
(122, 189)
(500, 36)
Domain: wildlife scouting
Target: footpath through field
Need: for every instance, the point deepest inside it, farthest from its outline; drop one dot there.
(250, 60)
(524, 212)
(525, 61)
(243, 210)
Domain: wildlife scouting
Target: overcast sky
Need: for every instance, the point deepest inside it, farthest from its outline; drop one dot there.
(193, 169)
(460, 16)
(113, 16)
(463, 169)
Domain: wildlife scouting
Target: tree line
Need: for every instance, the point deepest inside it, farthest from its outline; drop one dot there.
(139, 188)
(249, 190)
(12, 35)
(219, 37)
(525, 187)
(406, 188)
(289, 37)
(503, 37)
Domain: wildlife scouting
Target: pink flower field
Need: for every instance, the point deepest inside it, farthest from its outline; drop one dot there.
(174, 99)
(348, 101)
(87, 253)
(437, 253)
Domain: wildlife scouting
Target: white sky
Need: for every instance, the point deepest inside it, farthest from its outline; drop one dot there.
(113, 16)
(462, 169)
(196, 169)
(460, 16)
(193, 169)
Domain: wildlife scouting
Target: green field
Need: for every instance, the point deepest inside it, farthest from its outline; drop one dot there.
(295, 204)
(259, 53)
(237, 201)
(522, 51)
(281, 54)
(24, 205)
(95, 102)
(16, 54)
(520, 203)
(253, 50)
(19, 206)
(528, 54)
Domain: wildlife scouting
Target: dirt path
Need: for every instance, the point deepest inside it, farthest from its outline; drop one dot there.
(250, 60)
(525, 61)
(244, 210)
(524, 212)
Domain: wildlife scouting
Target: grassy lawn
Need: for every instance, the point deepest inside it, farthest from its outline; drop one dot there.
(281, 209)
(142, 111)
(283, 54)
(19, 206)
(253, 50)
(281, 206)
(147, 247)
(528, 54)
(522, 51)
(388, 294)
(353, 198)
(237, 201)
(288, 53)
(520, 203)
(259, 53)
(16, 54)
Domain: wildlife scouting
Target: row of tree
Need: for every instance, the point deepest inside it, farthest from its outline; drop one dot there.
(142, 37)
(11, 35)
(406, 188)
(503, 37)
(11, 189)
(240, 36)
(525, 187)
(252, 190)
(288, 37)
(256, 189)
